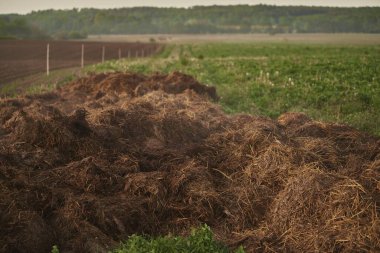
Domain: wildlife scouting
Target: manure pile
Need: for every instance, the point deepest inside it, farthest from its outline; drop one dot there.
(110, 155)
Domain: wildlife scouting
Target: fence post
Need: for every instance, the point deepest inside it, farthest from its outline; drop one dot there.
(103, 53)
(129, 53)
(119, 53)
(82, 58)
(142, 52)
(47, 59)
(137, 53)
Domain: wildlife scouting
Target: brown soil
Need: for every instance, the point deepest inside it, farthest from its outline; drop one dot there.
(115, 154)
(20, 58)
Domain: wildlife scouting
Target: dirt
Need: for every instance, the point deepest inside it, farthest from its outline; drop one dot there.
(297, 38)
(21, 58)
(115, 154)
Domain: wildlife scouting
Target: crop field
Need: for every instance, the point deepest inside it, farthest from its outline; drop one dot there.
(24, 58)
(264, 147)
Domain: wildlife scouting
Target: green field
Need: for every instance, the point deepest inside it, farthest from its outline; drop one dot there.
(333, 83)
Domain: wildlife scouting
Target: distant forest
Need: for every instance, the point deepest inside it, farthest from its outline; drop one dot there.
(75, 23)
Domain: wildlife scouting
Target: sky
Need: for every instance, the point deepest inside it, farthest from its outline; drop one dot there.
(26, 6)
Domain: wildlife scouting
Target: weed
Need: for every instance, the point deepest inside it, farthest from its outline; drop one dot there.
(55, 249)
(200, 241)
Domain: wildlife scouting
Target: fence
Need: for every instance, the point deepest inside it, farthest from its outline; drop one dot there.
(23, 58)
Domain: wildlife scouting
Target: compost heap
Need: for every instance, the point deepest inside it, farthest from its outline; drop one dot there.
(110, 155)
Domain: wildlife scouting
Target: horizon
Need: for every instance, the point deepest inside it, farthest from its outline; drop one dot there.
(19, 7)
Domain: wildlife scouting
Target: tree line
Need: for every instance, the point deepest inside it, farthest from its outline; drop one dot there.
(77, 23)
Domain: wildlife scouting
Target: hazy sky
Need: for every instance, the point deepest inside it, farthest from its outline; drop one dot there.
(25, 6)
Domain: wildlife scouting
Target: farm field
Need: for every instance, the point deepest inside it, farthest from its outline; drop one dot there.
(300, 38)
(244, 137)
(23, 58)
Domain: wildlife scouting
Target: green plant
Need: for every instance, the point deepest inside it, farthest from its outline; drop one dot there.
(55, 249)
(199, 241)
(184, 61)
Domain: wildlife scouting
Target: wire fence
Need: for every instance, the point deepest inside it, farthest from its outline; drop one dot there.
(23, 58)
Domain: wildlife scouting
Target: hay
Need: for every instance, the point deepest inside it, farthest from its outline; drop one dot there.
(328, 211)
(110, 155)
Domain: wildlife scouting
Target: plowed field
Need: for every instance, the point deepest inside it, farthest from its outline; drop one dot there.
(23, 58)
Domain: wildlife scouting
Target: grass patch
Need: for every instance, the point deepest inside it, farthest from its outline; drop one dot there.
(200, 241)
(9, 89)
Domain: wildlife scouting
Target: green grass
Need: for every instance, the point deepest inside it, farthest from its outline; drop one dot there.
(328, 82)
(199, 241)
